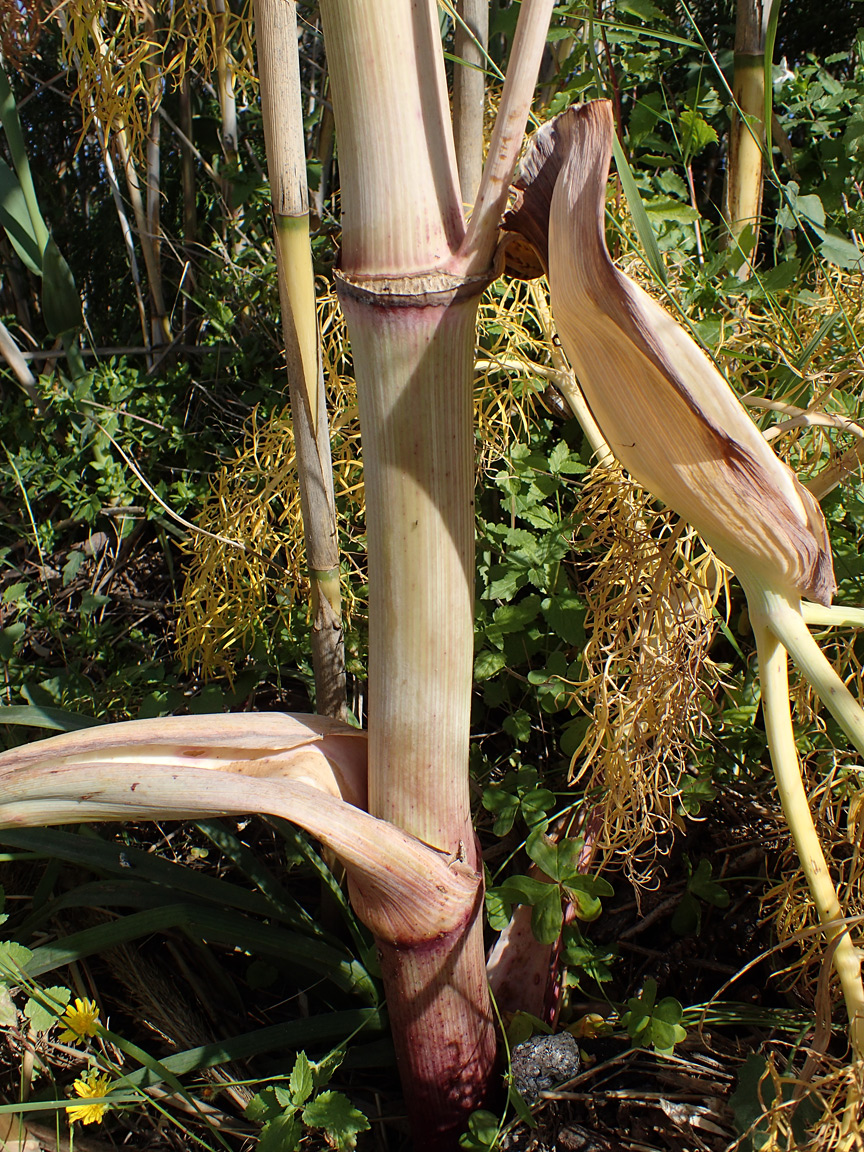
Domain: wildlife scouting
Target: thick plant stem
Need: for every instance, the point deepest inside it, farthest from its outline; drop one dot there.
(773, 674)
(413, 376)
(278, 66)
(409, 287)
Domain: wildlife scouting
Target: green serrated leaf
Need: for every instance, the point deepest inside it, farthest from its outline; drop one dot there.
(335, 1113)
(280, 1135)
(487, 663)
(323, 1070)
(696, 133)
(13, 958)
(565, 614)
(300, 1082)
(263, 1106)
(42, 1017)
(8, 1012)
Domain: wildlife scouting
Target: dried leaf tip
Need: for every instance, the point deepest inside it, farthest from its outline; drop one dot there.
(667, 413)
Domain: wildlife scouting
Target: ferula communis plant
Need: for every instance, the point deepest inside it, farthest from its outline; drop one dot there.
(675, 424)
(411, 272)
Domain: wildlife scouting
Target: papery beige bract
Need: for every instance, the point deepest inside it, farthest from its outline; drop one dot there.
(667, 413)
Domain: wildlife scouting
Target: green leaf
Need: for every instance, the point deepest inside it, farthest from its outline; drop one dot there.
(42, 1017)
(667, 209)
(565, 614)
(8, 1011)
(15, 219)
(547, 915)
(263, 1106)
(36, 716)
(687, 917)
(696, 133)
(483, 1129)
(300, 1082)
(701, 885)
(15, 138)
(61, 304)
(524, 890)
(518, 725)
(637, 210)
(487, 663)
(585, 893)
(544, 853)
(280, 1135)
(642, 10)
(665, 1036)
(335, 1113)
(516, 617)
(497, 910)
(323, 1070)
(535, 805)
(840, 251)
(13, 959)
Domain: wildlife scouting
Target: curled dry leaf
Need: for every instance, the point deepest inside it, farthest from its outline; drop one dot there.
(667, 413)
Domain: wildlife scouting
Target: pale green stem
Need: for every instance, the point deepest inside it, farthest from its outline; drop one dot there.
(787, 623)
(832, 615)
(773, 674)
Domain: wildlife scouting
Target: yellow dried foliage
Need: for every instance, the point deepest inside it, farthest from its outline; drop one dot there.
(127, 55)
(827, 1089)
(655, 596)
(234, 594)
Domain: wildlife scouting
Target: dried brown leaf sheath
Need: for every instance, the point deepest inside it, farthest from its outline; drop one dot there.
(667, 413)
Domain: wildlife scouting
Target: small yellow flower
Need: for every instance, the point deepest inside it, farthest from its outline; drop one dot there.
(90, 1086)
(81, 1020)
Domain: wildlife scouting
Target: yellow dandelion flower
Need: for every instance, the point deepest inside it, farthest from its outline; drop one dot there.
(90, 1086)
(81, 1019)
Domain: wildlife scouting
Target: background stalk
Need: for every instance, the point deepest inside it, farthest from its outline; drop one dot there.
(469, 92)
(279, 74)
(773, 675)
(747, 130)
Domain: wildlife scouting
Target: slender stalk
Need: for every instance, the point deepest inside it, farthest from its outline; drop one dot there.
(787, 624)
(773, 676)
(832, 616)
(469, 90)
(11, 353)
(279, 72)
(153, 179)
(747, 131)
(507, 135)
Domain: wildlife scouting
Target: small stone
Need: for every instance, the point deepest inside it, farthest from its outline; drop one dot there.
(543, 1062)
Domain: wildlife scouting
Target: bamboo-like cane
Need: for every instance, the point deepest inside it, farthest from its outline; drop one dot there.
(279, 73)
